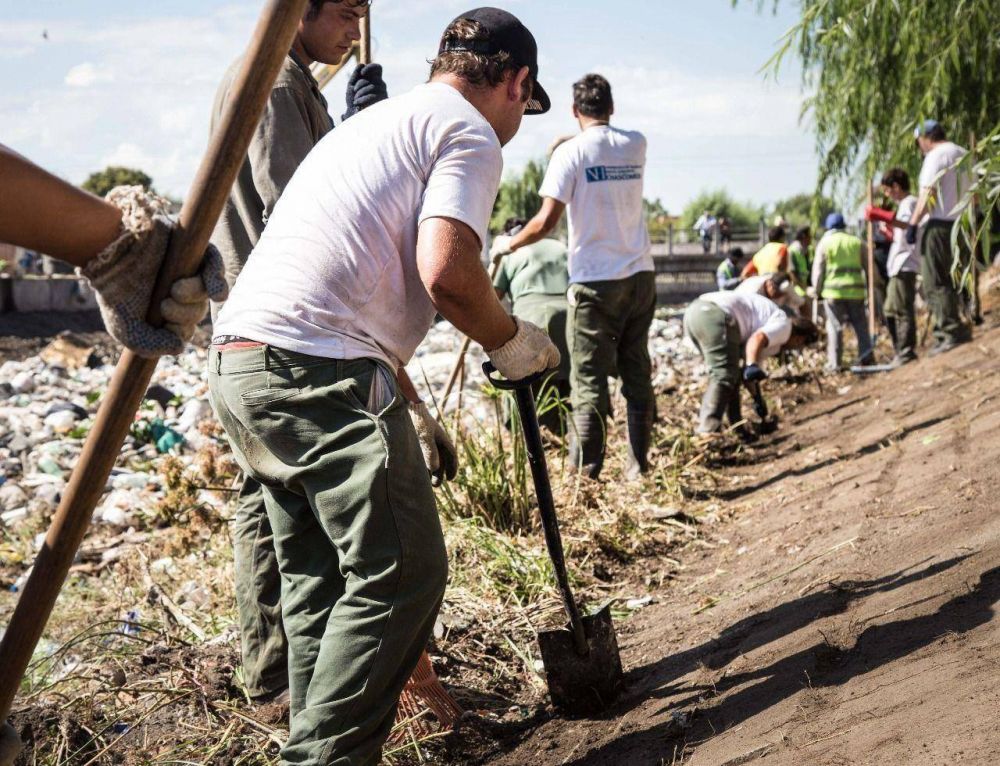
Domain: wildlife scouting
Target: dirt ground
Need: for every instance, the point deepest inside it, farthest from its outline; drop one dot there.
(846, 613)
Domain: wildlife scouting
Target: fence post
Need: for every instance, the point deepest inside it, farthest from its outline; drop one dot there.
(763, 233)
(718, 239)
(670, 239)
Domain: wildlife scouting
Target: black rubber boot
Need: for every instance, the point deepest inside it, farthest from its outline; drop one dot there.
(640, 435)
(714, 405)
(586, 443)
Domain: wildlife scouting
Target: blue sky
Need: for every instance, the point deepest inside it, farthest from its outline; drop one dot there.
(132, 83)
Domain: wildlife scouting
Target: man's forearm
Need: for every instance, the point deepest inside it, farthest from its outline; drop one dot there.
(757, 343)
(541, 225)
(920, 209)
(457, 283)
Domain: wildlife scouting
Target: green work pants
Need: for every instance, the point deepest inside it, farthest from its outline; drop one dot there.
(258, 594)
(900, 309)
(943, 298)
(356, 533)
(608, 327)
(717, 336)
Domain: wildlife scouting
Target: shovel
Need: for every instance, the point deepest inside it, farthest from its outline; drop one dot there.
(582, 664)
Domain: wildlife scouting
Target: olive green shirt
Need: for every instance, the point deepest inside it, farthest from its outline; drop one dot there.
(295, 118)
(538, 269)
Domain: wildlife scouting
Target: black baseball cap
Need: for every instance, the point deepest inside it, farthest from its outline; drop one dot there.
(504, 34)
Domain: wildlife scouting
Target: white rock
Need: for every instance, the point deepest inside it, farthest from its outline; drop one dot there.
(23, 383)
(12, 496)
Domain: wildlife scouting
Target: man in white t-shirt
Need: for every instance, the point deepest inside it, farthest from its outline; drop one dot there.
(903, 265)
(381, 226)
(728, 327)
(598, 175)
(942, 189)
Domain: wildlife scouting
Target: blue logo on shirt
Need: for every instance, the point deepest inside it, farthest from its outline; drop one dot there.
(614, 173)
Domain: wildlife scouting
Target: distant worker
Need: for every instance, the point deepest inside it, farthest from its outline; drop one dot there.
(903, 266)
(772, 258)
(725, 231)
(705, 226)
(535, 278)
(942, 187)
(838, 277)
(800, 257)
(727, 276)
(730, 326)
(598, 175)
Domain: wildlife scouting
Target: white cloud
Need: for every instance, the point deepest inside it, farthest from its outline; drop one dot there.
(86, 74)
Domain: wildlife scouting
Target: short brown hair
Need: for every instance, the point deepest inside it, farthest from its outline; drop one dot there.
(898, 177)
(592, 96)
(477, 69)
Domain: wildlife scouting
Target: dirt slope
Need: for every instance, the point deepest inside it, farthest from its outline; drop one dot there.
(857, 589)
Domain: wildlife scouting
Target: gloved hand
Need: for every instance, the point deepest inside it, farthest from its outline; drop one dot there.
(124, 274)
(500, 247)
(753, 374)
(528, 352)
(911, 235)
(366, 87)
(879, 214)
(811, 292)
(440, 454)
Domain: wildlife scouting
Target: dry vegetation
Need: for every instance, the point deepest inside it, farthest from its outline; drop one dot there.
(140, 661)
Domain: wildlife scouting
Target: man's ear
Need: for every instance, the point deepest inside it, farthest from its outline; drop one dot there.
(516, 87)
(576, 112)
(611, 111)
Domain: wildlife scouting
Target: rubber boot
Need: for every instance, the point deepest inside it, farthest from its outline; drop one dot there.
(10, 744)
(586, 443)
(713, 406)
(640, 434)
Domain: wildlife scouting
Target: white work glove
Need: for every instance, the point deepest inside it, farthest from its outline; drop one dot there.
(500, 247)
(124, 274)
(811, 292)
(528, 352)
(440, 454)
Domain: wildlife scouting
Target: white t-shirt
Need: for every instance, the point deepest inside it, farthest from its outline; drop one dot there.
(755, 313)
(755, 286)
(939, 174)
(902, 255)
(335, 274)
(598, 174)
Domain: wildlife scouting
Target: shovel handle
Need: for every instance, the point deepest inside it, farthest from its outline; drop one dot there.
(543, 491)
(510, 385)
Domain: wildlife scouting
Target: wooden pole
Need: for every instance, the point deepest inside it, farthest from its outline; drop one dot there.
(365, 44)
(871, 269)
(269, 45)
(976, 309)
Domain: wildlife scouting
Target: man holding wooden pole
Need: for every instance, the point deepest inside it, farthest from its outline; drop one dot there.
(295, 119)
(380, 228)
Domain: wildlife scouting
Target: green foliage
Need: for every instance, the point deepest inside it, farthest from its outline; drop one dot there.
(103, 181)
(744, 217)
(874, 70)
(518, 195)
(657, 219)
(798, 210)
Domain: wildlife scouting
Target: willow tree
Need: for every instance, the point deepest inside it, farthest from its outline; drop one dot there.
(874, 69)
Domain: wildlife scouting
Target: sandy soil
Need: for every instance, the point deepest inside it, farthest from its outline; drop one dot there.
(851, 600)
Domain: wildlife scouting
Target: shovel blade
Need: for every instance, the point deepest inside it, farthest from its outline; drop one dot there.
(583, 684)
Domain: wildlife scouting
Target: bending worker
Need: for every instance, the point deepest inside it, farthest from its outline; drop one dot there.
(536, 281)
(728, 327)
(380, 228)
(598, 175)
(838, 278)
(295, 118)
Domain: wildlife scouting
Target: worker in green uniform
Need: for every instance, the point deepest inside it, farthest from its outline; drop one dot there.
(838, 277)
(727, 276)
(800, 256)
(535, 279)
(295, 118)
